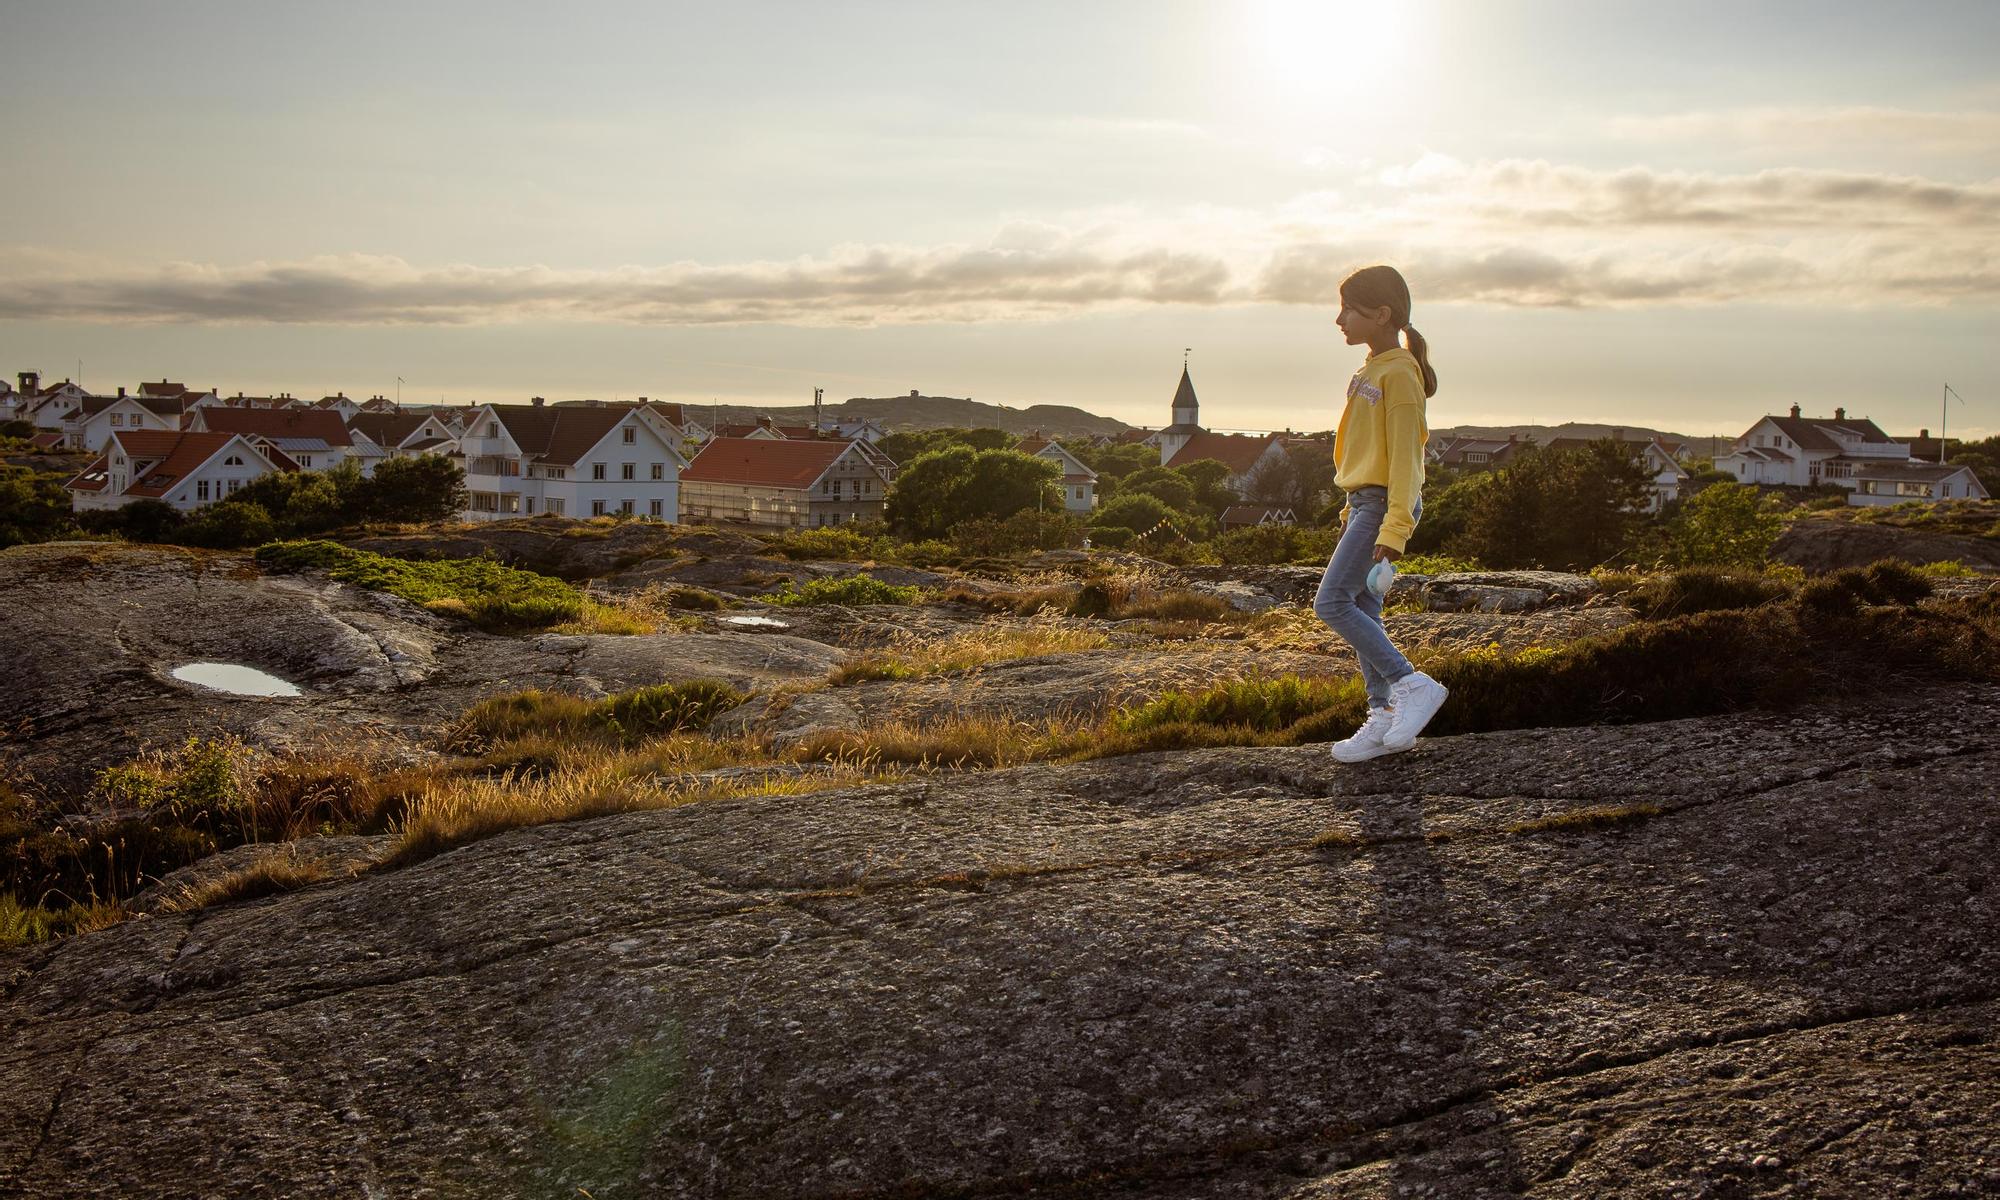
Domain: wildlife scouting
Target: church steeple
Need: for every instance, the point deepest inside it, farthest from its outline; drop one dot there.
(1187, 410)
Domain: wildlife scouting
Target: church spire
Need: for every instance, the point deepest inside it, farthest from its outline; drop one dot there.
(1187, 410)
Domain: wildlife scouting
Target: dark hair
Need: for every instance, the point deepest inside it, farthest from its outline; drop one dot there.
(1383, 287)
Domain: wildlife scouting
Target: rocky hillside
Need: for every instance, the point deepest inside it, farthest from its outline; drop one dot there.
(1822, 542)
(1737, 956)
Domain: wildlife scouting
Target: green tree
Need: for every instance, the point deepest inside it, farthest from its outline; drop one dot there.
(1116, 461)
(1448, 510)
(1300, 479)
(34, 507)
(1164, 484)
(941, 488)
(1984, 459)
(1725, 525)
(229, 525)
(419, 490)
(1567, 508)
(1210, 480)
(1137, 512)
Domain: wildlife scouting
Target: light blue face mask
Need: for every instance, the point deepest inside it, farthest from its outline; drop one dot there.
(1381, 577)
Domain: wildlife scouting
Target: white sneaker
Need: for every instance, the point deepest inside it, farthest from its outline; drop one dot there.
(1367, 740)
(1415, 698)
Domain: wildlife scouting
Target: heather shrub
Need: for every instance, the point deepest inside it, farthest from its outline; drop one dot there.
(1701, 589)
(852, 589)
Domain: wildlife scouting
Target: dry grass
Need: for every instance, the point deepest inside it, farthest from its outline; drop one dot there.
(268, 876)
(965, 651)
(1581, 820)
(467, 810)
(957, 742)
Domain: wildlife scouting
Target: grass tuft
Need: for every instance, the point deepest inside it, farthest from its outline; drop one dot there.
(1581, 820)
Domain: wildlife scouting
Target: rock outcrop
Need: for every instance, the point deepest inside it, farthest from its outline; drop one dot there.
(94, 631)
(1820, 545)
(1733, 956)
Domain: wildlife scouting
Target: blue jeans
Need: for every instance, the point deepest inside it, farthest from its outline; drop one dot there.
(1349, 608)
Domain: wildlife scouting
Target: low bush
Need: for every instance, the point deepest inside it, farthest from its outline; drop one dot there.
(850, 590)
(1701, 589)
(847, 543)
(1950, 568)
(1435, 564)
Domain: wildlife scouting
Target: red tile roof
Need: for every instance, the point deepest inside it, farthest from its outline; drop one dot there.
(323, 424)
(174, 457)
(1237, 451)
(1032, 444)
(764, 462)
(163, 388)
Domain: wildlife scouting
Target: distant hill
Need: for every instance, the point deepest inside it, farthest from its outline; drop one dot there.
(936, 412)
(1704, 446)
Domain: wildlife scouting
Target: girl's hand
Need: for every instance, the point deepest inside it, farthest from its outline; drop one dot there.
(1385, 554)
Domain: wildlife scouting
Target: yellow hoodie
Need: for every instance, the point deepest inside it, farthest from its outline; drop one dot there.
(1381, 439)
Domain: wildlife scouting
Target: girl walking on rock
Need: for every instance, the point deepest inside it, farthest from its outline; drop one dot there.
(1379, 462)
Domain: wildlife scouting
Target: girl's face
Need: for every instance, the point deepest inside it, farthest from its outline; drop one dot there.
(1361, 326)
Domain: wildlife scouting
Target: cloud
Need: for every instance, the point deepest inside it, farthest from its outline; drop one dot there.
(1525, 233)
(1971, 133)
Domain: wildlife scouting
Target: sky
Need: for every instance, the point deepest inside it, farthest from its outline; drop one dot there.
(1677, 216)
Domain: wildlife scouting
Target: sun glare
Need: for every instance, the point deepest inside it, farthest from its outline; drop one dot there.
(1326, 51)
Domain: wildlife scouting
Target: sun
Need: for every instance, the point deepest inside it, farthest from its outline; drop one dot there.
(1325, 51)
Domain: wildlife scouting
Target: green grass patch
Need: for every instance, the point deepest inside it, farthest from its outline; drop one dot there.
(489, 595)
(851, 590)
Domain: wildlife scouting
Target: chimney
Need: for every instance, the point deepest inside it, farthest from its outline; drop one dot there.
(31, 382)
(1795, 410)
(913, 393)
(537, 401)
(121, 392)
(1924, 434)
(1513, 439)
(763, 422)
(1840, 414)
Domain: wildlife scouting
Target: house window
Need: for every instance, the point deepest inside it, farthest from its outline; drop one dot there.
(233, 485)
(1906, 488)
(234, 460)
(201, 489)
(659, 470)
(556, 505)
(510, 502)
(630, 435)
(625, 506)
(531, 506)
(597, 508)
(492, 429)
(628, 471)
(555, 473)
(306, 461)
(659, 507)
(597, 470)
(117, 418)
(1473, 456)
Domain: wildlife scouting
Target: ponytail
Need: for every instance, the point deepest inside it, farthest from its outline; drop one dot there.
(1383, 287)
(1422, 349)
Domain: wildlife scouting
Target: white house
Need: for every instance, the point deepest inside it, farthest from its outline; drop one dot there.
(382, 435)
(1798, 451)
(183, 469)
(98, 417)
(315, 439)
(48, 408)
(13, 405)
(1894, 483)
(786, 482)
(574, 460)
(1079, 482)
(341, 403)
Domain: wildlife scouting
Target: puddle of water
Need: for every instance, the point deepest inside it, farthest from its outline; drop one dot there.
(234, 678)
(748, 619)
